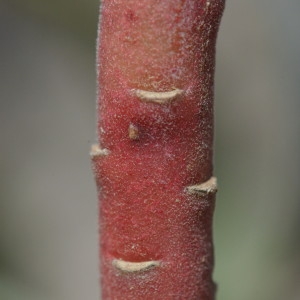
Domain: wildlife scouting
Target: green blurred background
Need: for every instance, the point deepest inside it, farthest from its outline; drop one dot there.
(48, 207)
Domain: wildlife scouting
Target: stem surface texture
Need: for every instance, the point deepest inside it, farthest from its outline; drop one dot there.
(153, 163)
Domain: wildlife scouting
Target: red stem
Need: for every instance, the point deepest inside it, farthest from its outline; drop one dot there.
(153, 166)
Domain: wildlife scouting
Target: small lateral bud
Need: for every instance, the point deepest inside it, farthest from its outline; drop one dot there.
(133, 132)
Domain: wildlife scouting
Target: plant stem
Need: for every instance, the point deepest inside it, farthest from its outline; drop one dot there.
(153, 164)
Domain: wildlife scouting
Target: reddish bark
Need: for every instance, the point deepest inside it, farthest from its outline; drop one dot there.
(153, 165)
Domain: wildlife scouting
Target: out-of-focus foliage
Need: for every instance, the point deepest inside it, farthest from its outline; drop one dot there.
(48, 208)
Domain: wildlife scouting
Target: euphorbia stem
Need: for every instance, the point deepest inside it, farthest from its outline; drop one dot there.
(153, 164)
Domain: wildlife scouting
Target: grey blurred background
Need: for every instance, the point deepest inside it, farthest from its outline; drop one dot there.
(48, 206)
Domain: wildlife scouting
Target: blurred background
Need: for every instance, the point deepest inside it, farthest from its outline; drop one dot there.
(48, 205)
